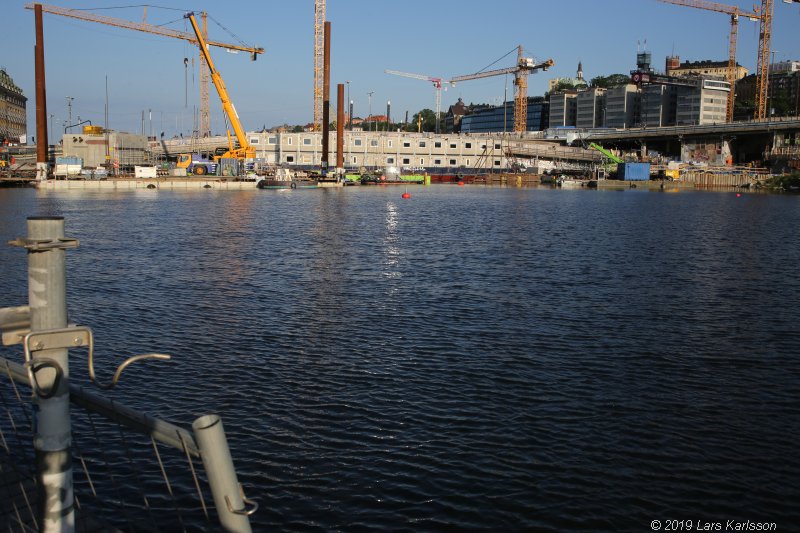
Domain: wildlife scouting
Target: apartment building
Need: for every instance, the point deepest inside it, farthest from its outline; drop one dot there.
(563, 109)
(622, 107)
(380, 149)
(13, 118)
(590, 108)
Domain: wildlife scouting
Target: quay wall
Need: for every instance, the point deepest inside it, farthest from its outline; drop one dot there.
(705, 178)
(151, 183)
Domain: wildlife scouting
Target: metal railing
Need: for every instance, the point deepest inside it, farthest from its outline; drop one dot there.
(71, 458)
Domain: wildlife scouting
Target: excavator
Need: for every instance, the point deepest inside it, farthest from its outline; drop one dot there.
(197, 163)
(611, 157)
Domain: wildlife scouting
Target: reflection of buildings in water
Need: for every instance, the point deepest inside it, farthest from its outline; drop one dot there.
(331, 258)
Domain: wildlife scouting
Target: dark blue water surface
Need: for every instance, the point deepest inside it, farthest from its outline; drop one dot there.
(469, 358)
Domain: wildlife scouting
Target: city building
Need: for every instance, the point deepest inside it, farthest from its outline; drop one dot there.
(563, 108)
(704, 68)
(658, 104)
(501, 118)
(703, 103)
(452, 119)
(590, 108)
(576, 82)
(784, 66)
(13, 118)
(375, 149)
(783, 90)
(622, 107)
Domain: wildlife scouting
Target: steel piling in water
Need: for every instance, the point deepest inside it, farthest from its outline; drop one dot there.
(340, 126)
(41, 100)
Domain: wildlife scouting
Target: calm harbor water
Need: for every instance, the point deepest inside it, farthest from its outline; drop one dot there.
(470, 358)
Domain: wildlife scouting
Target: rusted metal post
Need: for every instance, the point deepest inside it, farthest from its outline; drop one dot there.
(326, 96)
(340, 126)
(228, 495)
(47, 298)
(42, 146)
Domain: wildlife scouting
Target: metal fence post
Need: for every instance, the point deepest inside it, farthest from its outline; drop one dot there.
(48, 303)
(229, 498)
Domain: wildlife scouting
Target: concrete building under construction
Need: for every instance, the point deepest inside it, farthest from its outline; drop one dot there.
(98, 147)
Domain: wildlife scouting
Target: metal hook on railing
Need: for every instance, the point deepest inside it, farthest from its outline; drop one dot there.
(34, 366)
(73, 337)
(120, 368)
(243, 511)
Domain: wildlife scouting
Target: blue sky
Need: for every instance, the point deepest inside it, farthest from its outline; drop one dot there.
(432, 37)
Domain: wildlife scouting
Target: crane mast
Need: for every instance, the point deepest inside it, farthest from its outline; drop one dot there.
(205, 116)
(319, 51)
(245, 150)
(762, 68)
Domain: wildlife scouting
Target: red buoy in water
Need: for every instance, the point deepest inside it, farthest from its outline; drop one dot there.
(738, 195)
(406, 195)
(460, 183)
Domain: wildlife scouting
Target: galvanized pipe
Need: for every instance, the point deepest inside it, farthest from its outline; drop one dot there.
(326, 96)
(340, 125)
(41, 100)
(161, 431)
(228, 496)
(47, 297)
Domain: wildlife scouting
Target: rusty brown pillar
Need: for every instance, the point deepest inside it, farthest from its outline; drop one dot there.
(326, 95)
(42, 155)
(340, 125)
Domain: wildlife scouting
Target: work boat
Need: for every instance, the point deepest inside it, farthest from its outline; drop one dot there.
(285, 178)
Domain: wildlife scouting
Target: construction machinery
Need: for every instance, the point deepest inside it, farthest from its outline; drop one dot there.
(437, 84)
(608, 155)
(525, 65)
(245, 149)
(734, 12)
(205, 116)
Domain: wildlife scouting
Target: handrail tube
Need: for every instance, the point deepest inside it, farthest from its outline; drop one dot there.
(160, 430)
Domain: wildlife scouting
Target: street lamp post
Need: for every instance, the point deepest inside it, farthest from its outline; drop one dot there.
(371, 120)
(69, 107)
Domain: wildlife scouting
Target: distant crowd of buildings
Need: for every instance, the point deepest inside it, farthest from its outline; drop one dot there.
(698, 96)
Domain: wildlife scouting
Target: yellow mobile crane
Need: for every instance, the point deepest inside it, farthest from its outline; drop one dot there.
(194, 163)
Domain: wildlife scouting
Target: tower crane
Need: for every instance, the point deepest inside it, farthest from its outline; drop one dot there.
(525, 65)
(734, 13)
(205, 116)
(762, 68)
(319, 53)
(437, 84)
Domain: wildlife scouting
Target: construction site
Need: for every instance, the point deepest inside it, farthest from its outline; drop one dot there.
(680, 120)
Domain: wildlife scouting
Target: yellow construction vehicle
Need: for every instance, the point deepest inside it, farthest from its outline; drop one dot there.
(245, 150)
